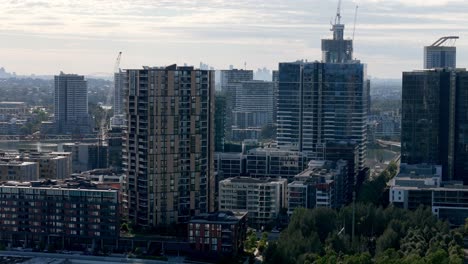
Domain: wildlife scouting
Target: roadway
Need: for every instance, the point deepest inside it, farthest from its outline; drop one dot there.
(39, 257)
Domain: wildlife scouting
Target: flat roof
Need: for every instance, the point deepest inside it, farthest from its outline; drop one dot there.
(253, 180)
(219, 217)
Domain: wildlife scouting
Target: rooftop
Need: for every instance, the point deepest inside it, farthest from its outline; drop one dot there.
(74, 183)
(222, 216)
(253, 180)
(322, 168)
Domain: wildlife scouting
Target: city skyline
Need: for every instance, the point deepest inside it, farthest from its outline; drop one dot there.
(85, 37)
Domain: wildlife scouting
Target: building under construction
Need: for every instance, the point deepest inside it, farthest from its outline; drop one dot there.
(338, 49)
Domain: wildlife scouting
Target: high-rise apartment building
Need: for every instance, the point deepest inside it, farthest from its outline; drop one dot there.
(322, 102)
(220, 121)
(169, 144)
(230, 81)
(439, 56)
(119, 93)
(71, 104)
(434, 120)
(234, 76)
(275, 80)
(253, 105)
(118, 120)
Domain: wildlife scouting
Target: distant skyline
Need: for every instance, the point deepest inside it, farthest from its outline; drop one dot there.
(84, 37)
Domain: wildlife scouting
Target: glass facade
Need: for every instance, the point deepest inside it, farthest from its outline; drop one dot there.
(320, 103)
(434, 120)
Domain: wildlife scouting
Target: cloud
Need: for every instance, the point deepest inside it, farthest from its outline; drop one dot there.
(419, 3)
(220, 32)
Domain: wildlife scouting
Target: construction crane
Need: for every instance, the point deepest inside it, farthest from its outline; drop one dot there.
(442, 40)
(338, 14)
(355, 19)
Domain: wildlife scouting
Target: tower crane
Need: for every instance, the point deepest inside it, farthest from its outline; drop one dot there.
(338, 14)
(355, 19)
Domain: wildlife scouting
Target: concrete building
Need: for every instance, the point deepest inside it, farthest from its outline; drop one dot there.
(322, 184)
(230, 83)
(52, 165)
(233, 76)
(275, 80)
(357, 173)
(13, 127)
(118, 120)
(71, 104)
(169, 144)
(434, 124)
(241, 134)
(119, 93)
(439, 56)
(220, 121)
(21, 171)
(274, 162)
(218, 234)
(13, 108)
(422, 185)
(320, 102)
(58, 214)
(114, 148)
(87, 156)
(256, 100)
(338, 49)
(261, 198)
(105, 176)
(229, 165)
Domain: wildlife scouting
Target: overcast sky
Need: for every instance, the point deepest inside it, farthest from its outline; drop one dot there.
(84, 36)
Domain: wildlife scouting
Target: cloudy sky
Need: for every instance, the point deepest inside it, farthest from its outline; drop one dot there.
(84, 36)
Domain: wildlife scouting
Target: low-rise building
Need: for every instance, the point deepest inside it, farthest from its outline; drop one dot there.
(66, 214)
(87, 156)
(21, 171)
(218, 234)
(263, 198)
(52, 165)
(320, 185)
(12, 127)
(274, 162)
(421, 185)
(229, 165)
(13, 108)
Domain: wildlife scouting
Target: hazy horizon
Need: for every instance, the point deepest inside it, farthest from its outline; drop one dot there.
(46, 37)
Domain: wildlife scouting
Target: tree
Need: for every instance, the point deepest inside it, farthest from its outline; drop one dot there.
(251, 242)
(438, 257)
(397, 235)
